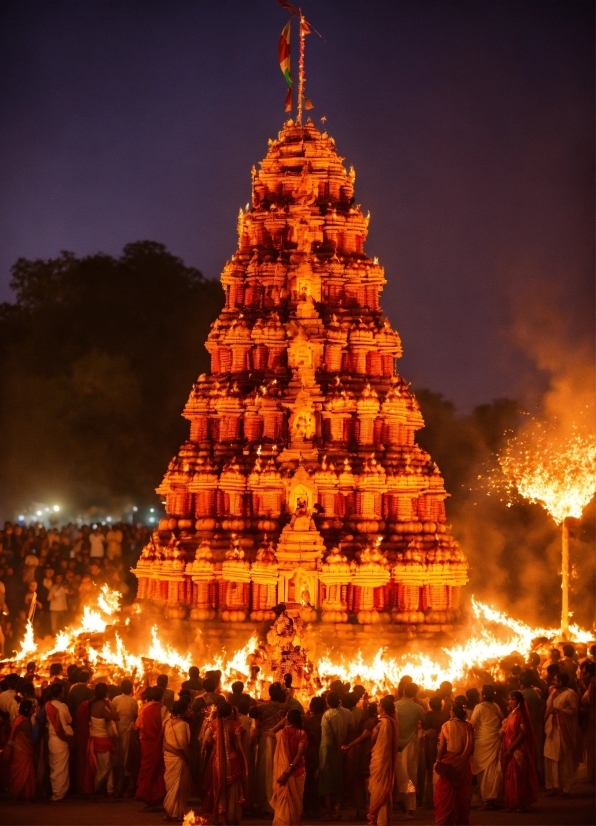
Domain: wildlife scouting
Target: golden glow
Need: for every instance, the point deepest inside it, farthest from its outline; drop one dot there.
(557, 473)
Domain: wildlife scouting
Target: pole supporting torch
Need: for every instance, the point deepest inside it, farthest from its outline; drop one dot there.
(564, 580)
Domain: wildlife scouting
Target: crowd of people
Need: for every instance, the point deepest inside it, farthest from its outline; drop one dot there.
(241, 755)
(61, 569)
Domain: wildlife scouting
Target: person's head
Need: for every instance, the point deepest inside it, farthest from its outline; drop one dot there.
(28, 689)
(13, 681)
(31, 668)
(568, 650)
(555, 655)
(237, 687)
(179, 708)
(458, 711)
(126, 687)
(224, 710)
(589, 668)
(359, 691)
(349, 700)
(32, 586)
(461, 698)
(71, 672)
(581, 649)
(445, 689)
(156, 693)
(276, 693)
(561, 680)
(388, 705)
(410, 691)
(515, 670)
(593, 651)
(333, 699)
(526, 678)
(373, 710)
(209, 685)
(243, 704)
(215, 676)
(162, 681)
(472, 697)
(26, 708)
(254, 712)
(516, 698)
(83, 676)
(488, 693)
(552, 670)
(317, 705)
(56, 691)
(193, 672)
(55, 669)
(101, 691)
(58, 579)
(294, 718)
(534, 660)
(49, 572)
(338, 687)
(436, 703)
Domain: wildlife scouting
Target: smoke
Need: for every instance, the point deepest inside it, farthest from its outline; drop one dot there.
(515, 550)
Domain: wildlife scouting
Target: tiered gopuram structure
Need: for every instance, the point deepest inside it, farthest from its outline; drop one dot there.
(301, 481)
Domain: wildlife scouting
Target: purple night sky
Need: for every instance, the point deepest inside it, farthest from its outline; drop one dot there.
(470, 125)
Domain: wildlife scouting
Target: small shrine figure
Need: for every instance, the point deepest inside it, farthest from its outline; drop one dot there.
(302, 519)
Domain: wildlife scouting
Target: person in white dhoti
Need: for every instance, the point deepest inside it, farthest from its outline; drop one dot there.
(562, 743)
(101, 751)
(176, 755)
(486, 764)
(127, 709)
(60, 737)
(409, 716)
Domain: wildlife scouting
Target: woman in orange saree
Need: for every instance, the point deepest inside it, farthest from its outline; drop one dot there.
(226, 774)
(21, 773)
(453, 789)
(384, 741)
(518, 756)
(289, 771)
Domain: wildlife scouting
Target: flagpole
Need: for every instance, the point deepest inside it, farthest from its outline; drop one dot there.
(302, 28)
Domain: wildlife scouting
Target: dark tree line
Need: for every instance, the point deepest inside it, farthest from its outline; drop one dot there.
(97, 357)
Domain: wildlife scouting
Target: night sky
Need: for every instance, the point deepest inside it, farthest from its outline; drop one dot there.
(470, 125)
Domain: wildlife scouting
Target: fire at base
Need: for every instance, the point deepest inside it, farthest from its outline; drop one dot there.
(98, 641)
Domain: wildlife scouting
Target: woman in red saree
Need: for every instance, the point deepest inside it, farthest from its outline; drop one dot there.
(226, 774)
(289, 771)
(453, 789)
(518, 756)
(151, 788)
(21, 772)
(384, 740)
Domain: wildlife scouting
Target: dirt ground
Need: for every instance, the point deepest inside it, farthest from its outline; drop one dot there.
(547, 811)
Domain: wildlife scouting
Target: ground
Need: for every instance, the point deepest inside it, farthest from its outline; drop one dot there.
(579, 811)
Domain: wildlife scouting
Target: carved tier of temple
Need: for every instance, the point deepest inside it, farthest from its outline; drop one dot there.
(301, 480)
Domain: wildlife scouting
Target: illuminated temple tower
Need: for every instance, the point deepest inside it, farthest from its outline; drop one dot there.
(301, 480)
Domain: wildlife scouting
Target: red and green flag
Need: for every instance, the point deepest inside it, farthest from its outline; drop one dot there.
(283, 51)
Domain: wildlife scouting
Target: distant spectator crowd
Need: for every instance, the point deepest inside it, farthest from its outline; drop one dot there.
(62, 568)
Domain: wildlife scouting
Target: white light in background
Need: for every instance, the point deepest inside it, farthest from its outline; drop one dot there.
(135, 509)
(38, 513)
(56, 508)
(151, 519)
(151, 510)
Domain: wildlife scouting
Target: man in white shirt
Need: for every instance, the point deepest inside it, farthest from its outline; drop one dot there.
(96, 543)
(8, 703)
(114, 539)
(30, 566)
(60, 736)
(58, 604)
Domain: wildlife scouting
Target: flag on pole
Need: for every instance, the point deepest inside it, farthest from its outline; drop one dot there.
(283, 51)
